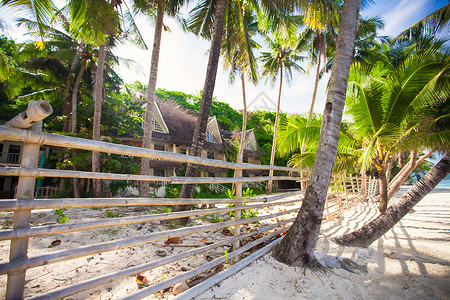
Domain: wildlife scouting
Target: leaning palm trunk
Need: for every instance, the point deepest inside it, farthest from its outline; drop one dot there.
(98, 96)
(297, 247)
(187, 190)
(370, 232)
(404, 173)
(148, 122)
(275, 133)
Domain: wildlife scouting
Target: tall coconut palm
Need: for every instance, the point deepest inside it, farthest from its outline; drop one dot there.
(162, 7)
(237, 49)
(187, 190)
(297, 246)
(97, 22)
(386, 103)
(282, 60)
(317, 19)
(202, 17)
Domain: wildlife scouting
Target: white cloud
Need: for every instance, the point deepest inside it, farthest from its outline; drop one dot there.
(403, 15)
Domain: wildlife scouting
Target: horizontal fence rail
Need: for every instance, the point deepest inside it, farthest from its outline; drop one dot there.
(344, 192)
(32, 137)
(13, 205)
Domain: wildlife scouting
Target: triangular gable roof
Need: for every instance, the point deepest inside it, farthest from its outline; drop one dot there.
(157, 115)
(250, 137)
(213, 127)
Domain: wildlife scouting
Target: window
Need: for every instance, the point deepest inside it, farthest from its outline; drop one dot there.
(248, 145)
(1, 149)
(209, 137)
(157, 127)
(2, 183)
(210, 155)
(211, 174)
(13, 154)
(159, 147)
(183, 150)
(158, 172)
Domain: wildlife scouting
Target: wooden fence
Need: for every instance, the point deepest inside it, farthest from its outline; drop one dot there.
(344, 192)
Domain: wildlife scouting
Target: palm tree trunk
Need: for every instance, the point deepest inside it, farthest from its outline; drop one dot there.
(98, 96)
(297, 247)
(73, 123)
(311, 109)
(76, 86)
(66, 103)
(316, 84)
(389, 163)
(275, 133)
(148, 122)
(370, 232)
(244, 115)
(404, 173)
(244, 127)
(382, 206)
(187, 190)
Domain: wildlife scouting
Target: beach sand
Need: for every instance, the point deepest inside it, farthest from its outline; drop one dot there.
(420, 269)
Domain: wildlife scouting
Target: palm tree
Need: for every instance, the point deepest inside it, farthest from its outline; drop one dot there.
(370, 232)
(297, 246)
(237, 50)
(281, 60)
(431, 25)
(296, 129)
(187, 190)
(387, 101)
(200, 22)
(97, 23)
(318, 20)
(162, 7)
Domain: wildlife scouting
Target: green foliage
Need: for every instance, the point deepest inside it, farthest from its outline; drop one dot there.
(172, 191)
(62, 217)
(164, 210)
(245, 214)
(216, 218)
(110, 214)
(248, 193)
(231, 194)
(205, 193)
(262, 123)
(225, 251)
(7, 223)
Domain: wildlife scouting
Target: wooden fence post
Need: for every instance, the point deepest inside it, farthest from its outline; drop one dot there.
(237, 216)
(25, 195)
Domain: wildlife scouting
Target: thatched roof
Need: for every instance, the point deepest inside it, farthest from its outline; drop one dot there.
(181, 125)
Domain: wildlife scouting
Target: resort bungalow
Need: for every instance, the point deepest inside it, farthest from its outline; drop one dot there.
(173, 131)
(11, 156)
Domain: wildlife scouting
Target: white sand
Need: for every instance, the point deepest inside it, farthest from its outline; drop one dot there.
(420, 271)
(420, 240)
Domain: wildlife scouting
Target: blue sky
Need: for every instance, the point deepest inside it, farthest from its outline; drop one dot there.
(183, 58)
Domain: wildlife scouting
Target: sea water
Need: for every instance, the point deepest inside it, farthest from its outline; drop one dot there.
(444, 184)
